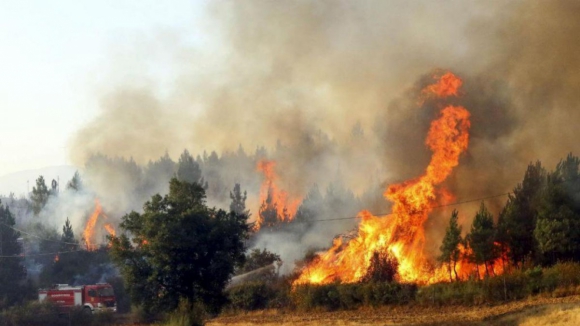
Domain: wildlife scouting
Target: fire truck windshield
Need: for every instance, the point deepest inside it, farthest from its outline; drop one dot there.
(106, 292)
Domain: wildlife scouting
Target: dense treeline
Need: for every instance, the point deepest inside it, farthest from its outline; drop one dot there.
(531, 247)
(539, 225)
(178, 254)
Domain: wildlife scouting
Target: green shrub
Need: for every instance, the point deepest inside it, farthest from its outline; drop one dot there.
(561, 275)
(467, 292)
(534, 279)
(47, 314)
(349, 296)
(307, 297)
(33, 313)
(187, 314)
(250, 296)
(383, 293)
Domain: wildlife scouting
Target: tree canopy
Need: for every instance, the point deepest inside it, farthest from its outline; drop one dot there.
(39, 195)
(179, 249)
(450, 252)
(12, 271)
(481, 238)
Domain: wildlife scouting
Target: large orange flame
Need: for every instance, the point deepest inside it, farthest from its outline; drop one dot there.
(447, 85)
(89, 232)
(274, 200)
(90, 228)
(109, 229)
(402, 232)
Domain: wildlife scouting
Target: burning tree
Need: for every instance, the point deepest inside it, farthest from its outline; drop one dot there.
(277, 205)
(402, 233)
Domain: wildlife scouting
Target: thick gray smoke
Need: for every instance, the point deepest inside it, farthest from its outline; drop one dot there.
(335, 84)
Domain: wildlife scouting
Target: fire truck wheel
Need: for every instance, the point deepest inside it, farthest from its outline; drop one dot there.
(87, 310)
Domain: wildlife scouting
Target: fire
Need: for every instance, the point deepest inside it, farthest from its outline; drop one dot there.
(277, 206)
(448, 85)
(465, 268)
(402, 232)
(109, 229)
(89, 232)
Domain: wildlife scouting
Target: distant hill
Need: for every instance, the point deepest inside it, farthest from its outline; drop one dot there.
(17, 182)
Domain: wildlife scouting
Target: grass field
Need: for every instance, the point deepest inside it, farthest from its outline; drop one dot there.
(532, 312)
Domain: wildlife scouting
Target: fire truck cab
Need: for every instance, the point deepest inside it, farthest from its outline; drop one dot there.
(96, 298)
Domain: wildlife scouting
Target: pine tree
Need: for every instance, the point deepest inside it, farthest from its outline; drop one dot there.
(238, 204)
(12, 271)
(518, 218)
(450, 252)
(188, 170)
(311, 207)
(75, 183)
(558, 226)
(39, 195)
(68, 242)
(481, 239)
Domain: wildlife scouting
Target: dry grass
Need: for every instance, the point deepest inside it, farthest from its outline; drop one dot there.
(536, 311)
(554, 314)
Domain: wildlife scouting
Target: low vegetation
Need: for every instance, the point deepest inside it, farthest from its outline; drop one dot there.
(46, 314)
(561, 279)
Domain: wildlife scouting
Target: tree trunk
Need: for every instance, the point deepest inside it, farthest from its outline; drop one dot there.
(449, 269)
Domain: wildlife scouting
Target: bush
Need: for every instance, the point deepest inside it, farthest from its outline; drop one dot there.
(47, 314)
(383, 293)
(561, 275)
(468, 292)
(308, 297)
(33, 314)
(350, 296)
(250, 296)
(187, 314)
(560, 279)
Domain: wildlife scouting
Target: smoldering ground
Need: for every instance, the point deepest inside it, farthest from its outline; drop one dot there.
(336, 85)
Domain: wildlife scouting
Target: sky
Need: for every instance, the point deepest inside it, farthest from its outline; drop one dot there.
(55, 56)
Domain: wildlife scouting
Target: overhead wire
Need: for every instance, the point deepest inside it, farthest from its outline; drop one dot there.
(43, 239)
(38, 237)
(42, 254)
(432, 207)
(318, 220)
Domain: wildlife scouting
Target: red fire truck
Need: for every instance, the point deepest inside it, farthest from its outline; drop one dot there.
(93, 298)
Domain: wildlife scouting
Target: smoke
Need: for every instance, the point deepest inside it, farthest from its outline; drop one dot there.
(332, 88)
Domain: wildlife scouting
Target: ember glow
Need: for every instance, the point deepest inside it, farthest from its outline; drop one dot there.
(277, 206)
(402, 232)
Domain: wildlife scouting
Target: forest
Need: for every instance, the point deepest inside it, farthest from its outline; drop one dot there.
(179, 256)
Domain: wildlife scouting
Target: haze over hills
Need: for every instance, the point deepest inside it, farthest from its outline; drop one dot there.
(21, 182)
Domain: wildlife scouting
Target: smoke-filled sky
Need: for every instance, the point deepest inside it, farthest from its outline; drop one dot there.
(137, 78)
(58, 57)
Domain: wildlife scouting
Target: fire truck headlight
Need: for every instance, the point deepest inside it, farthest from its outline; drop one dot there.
(99, 305)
